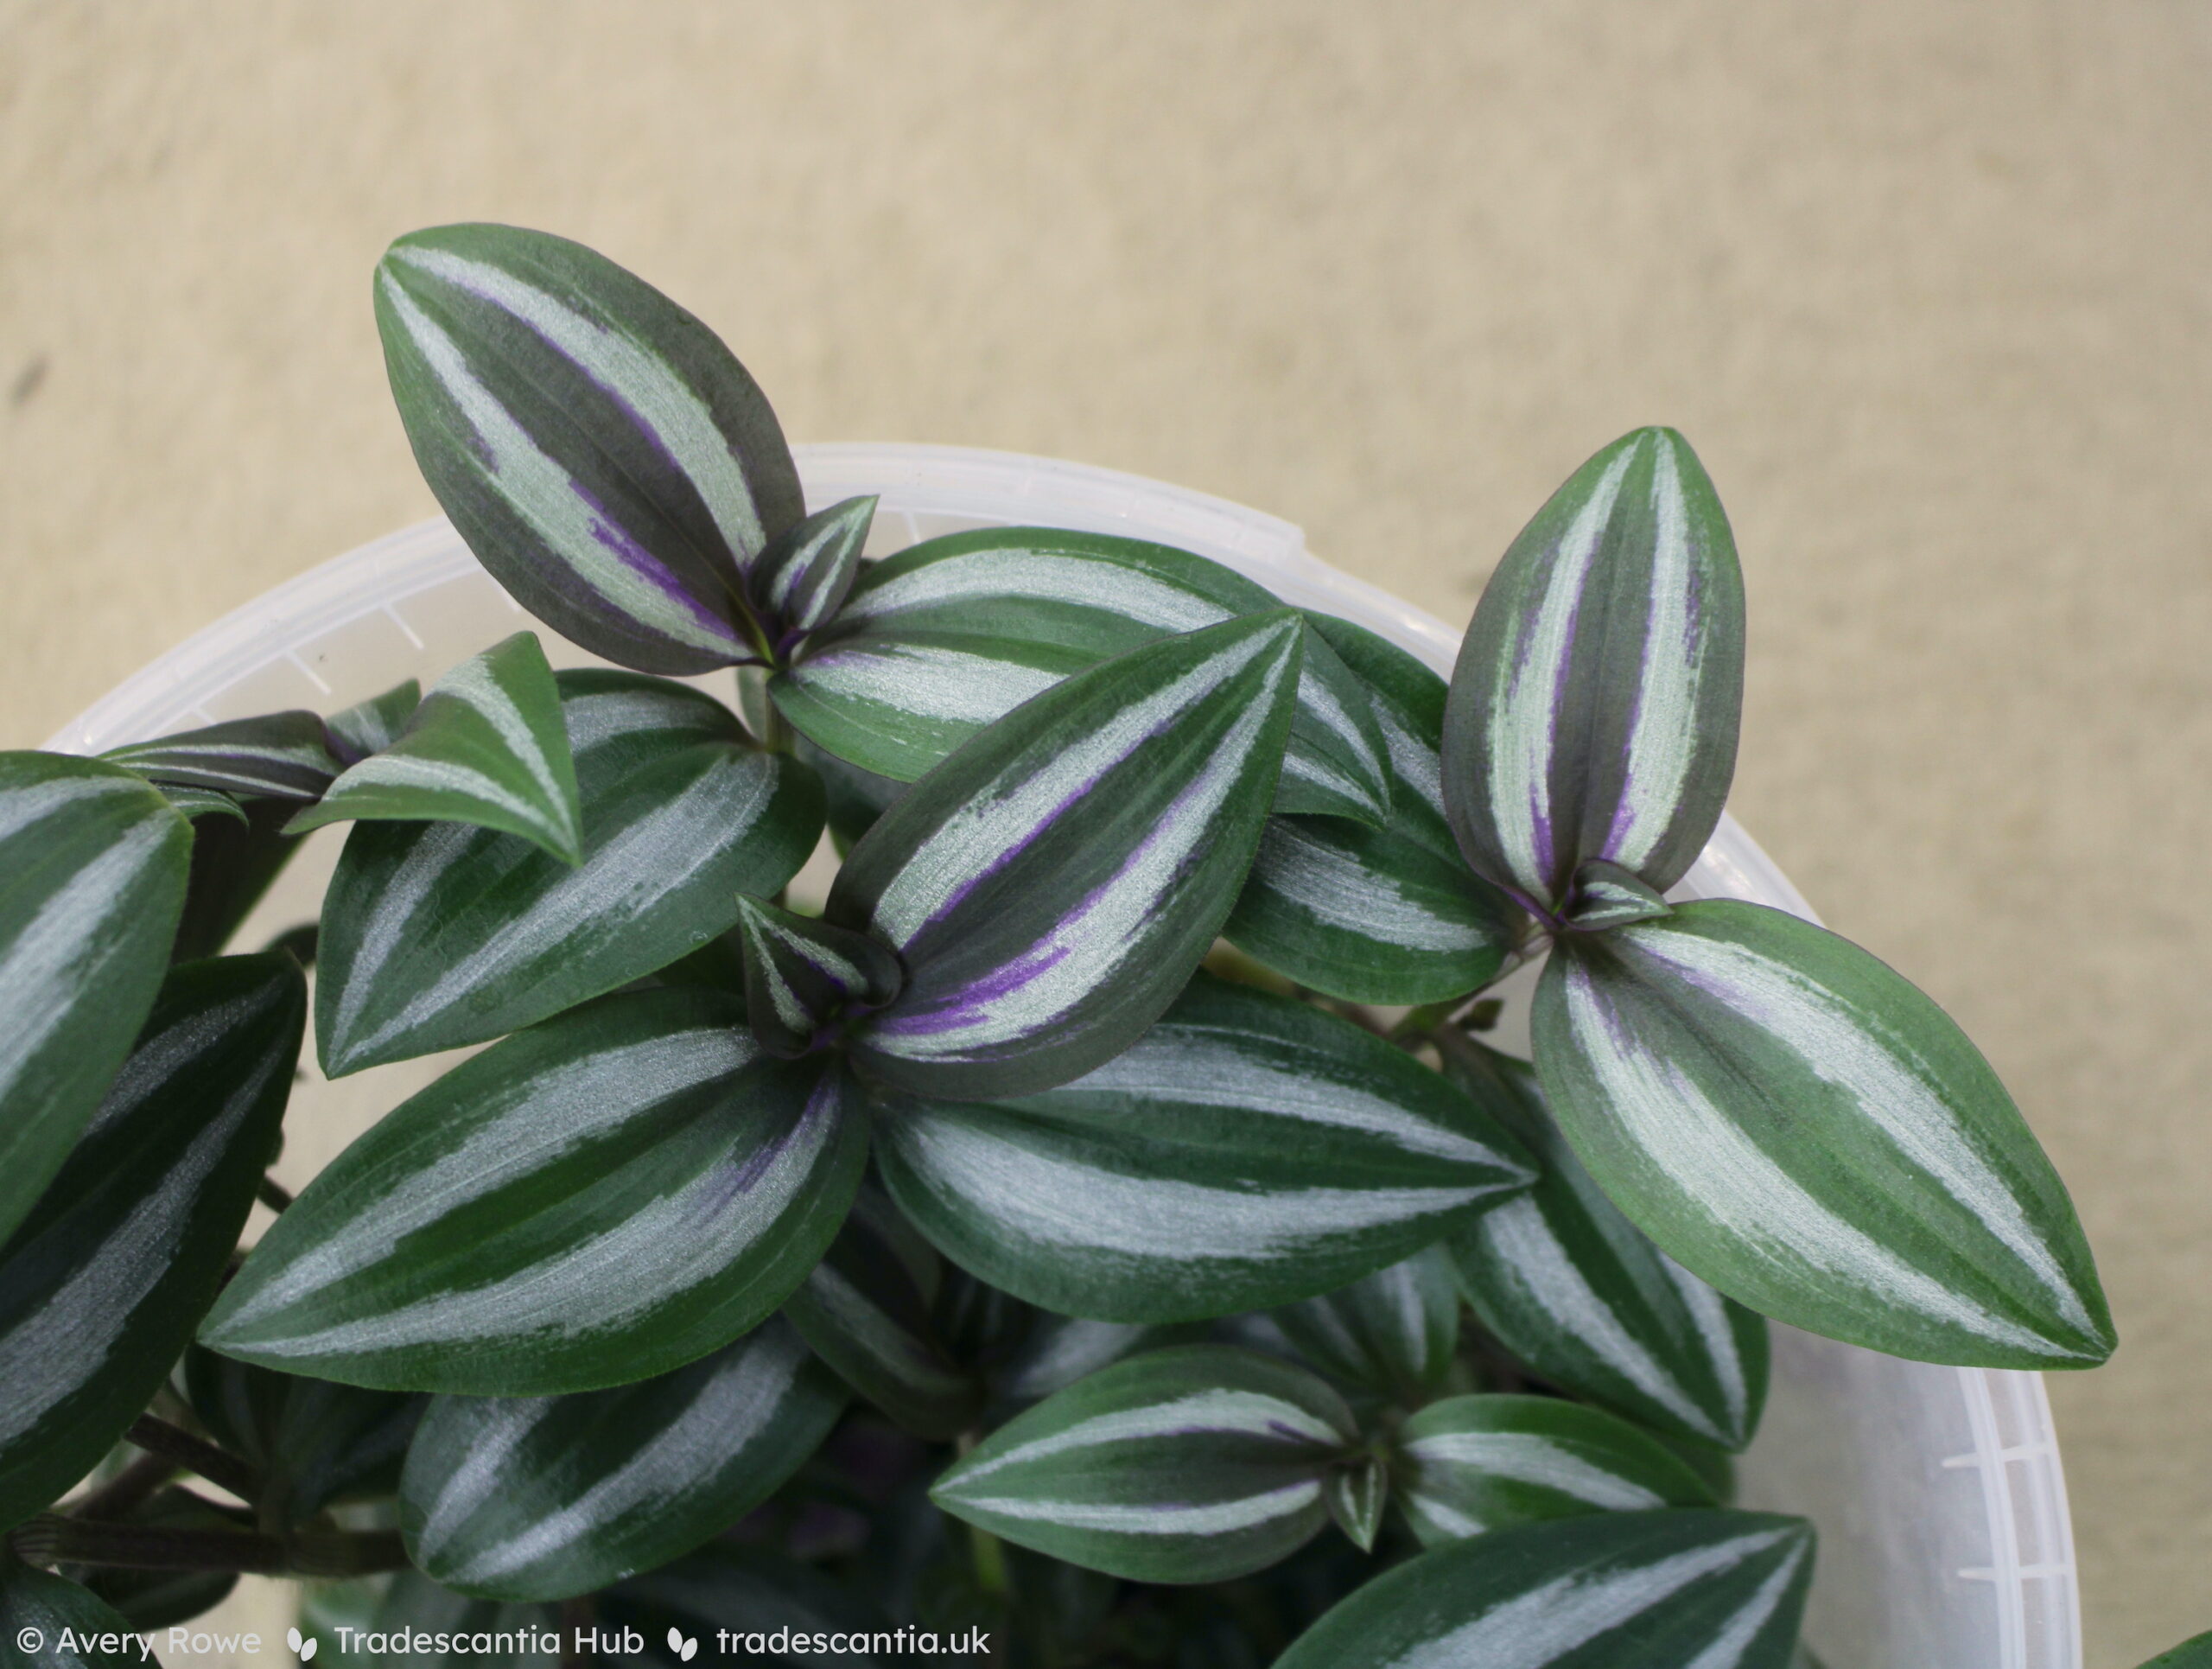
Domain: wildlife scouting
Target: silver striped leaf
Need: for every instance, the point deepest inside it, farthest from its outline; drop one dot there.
(1655, 1590)
(594, 1200)
(1578, 1292)
(101, 1285)
(485, 747)
(865, 1310)
(1799, 1125)
(439, 934)
(1391, 1334)
(282, 755)
(606, 457)
(542, 1498)
(1389, 914)
(1358, 1491)
(948, 636)
(369, 727)
(1198, 1464)
(314, 1442)
(804, 977)
(1470, 1465)
(1594, 706)
(1052, 886)
(93, 871)
(1058, 1350)
(196, 803)
(803, 577)
(1248, 1150)
(1606, 896)
(50, 1622)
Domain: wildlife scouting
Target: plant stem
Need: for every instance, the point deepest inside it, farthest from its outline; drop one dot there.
(220, 1468)
(115, 1498)
(989, 1555)
(272, 1193)
(576, 1617)
(51, 1539)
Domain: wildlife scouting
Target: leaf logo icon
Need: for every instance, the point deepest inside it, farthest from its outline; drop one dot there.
(305, 1649)
(684, 1648)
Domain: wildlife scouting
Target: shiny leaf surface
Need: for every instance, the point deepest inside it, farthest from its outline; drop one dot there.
(485, 747)
(1197, 1464)
(1801, 1126)
(603, 453)
(1579, 1294)
(1248, 1151)
(102, 1283)
(92, 870)
(1052, 885)
(597, 1200)
(1594, 706)
(528, 1498)
(436, 935)
(1659, 1590)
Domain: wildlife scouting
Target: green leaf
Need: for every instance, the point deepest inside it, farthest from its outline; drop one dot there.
(1058, 1350)
(2195, 1653)
(369, 727)
(196, 803)
(602, 453)
(1248, 1151)
(767, 1602)
(436, 935)
(92, 868)
(1657, 1590)
(531, 1498)
(803, 977)
(865, 1311)
(1392, 1333)
(1370, 915)
(233, 866)
(594, 1200)
(1606, 896)
(284, 755)
(1796, 1124)
(1198, 1464)
(804, 574)
(1593, 708)
(1052, 886)
(102, 1283)
(1357, 1492)
(487, 746)
(51, 1623)
(1389, 914)
(1575, 1290)
(1470, 1465)
(314, 1442)
(519, 1636)
(948, 636)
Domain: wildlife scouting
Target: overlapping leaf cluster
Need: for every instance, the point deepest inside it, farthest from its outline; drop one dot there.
(1057, 1229)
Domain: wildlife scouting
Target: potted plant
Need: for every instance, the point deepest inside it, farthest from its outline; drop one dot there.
(1042, 1238)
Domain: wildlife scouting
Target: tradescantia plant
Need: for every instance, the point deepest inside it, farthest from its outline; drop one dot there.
(1056, 1227)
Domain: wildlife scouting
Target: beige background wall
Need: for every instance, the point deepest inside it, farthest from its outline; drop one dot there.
(1929, 287)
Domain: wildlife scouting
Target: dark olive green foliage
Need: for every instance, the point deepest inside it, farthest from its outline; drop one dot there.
(39, 1605)
(104, 1283)
(314, 1441)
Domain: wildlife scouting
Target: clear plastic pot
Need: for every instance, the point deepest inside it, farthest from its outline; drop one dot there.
(1942, 1507)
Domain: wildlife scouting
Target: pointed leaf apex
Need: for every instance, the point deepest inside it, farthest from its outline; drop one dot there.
(1606, 896)
(802, 976)
(1356, 1493)
(803, 577)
